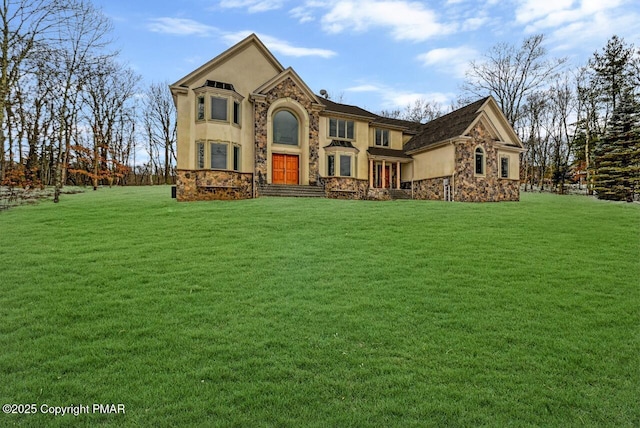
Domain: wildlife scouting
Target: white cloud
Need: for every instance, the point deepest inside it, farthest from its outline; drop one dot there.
(252, 6)
(405, 20)
(450, 60)
(280, 46)
(180, 26)
(540, 15)
(403, 99)
(364, 88)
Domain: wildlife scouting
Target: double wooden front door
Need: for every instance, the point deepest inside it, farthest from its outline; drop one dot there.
(285, 169)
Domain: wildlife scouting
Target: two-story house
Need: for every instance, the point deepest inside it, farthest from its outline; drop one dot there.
(246, 122)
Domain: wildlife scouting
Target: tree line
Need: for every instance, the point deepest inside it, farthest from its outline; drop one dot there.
(70, 111)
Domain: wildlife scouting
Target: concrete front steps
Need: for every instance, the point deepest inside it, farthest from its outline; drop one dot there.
(291, 191)
(399, 194)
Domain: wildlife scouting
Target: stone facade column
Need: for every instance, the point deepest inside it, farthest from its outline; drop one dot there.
(384, 173)
(371, 173)
(397, 175)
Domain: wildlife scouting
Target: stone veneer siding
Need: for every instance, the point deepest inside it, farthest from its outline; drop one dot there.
(206, 185)
(345, 188)
(466, 186)
(430, 188)
(490, 188)
(285, 89)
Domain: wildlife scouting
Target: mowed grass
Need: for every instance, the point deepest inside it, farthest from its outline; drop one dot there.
(304, 312)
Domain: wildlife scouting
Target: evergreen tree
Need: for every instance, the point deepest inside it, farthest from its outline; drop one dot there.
(617, 156)
(613, 70)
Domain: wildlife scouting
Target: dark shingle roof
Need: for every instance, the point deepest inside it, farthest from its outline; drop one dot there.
(381, 151)
(346, 109)
(408, 126)
(340, 143)
(448, 126)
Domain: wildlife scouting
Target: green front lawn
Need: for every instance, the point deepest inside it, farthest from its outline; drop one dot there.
(305, 312)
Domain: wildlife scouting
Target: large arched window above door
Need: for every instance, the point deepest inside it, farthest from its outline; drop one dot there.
(285, 128)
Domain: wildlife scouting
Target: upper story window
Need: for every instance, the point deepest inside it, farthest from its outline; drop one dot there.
(200, 108)
(218, 108)
(341, 128)
(218, 101)
(285, 128)
(479, 161)
(382, 137)
(236, 112)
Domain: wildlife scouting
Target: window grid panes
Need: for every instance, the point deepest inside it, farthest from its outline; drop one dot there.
(218, 108)
(345, 166)
(285, 128)
(236, 158)
(236, 112)
(218, 156)
(479, 161)
(200, 152)
(331, 165)
(200, 108)
(504, 167)
(382, 137)
(340, 128)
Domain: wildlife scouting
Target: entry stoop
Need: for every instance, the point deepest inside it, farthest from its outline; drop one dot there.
(285, 190)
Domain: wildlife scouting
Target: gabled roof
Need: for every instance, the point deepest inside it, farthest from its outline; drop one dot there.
(288, 73)
(445, 127)
(224, 56)
(333, 107)
(405, 125)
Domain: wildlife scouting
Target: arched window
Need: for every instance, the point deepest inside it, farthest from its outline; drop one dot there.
(285, 128)
(479, 161)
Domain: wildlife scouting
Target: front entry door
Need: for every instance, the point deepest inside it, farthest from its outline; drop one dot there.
(285, 169)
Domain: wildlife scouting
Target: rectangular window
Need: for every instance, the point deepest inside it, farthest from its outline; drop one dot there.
(236, 112)
(504, 167)
(218, 156)
(236, 158)
(200, 111)
(340, 128)
(331, 165)
(382, 137)
(200, 153)
(345, 166)
(218, 108)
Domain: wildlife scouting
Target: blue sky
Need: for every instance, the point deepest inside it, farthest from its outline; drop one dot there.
(375, 54)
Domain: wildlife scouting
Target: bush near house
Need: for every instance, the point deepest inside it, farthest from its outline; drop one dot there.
(318, 312)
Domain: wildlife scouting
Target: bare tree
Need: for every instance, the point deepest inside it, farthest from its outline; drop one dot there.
(420, 111)
(84, 38)
(109, 91)
(511, 74)
(27, 26)
(159, 114)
